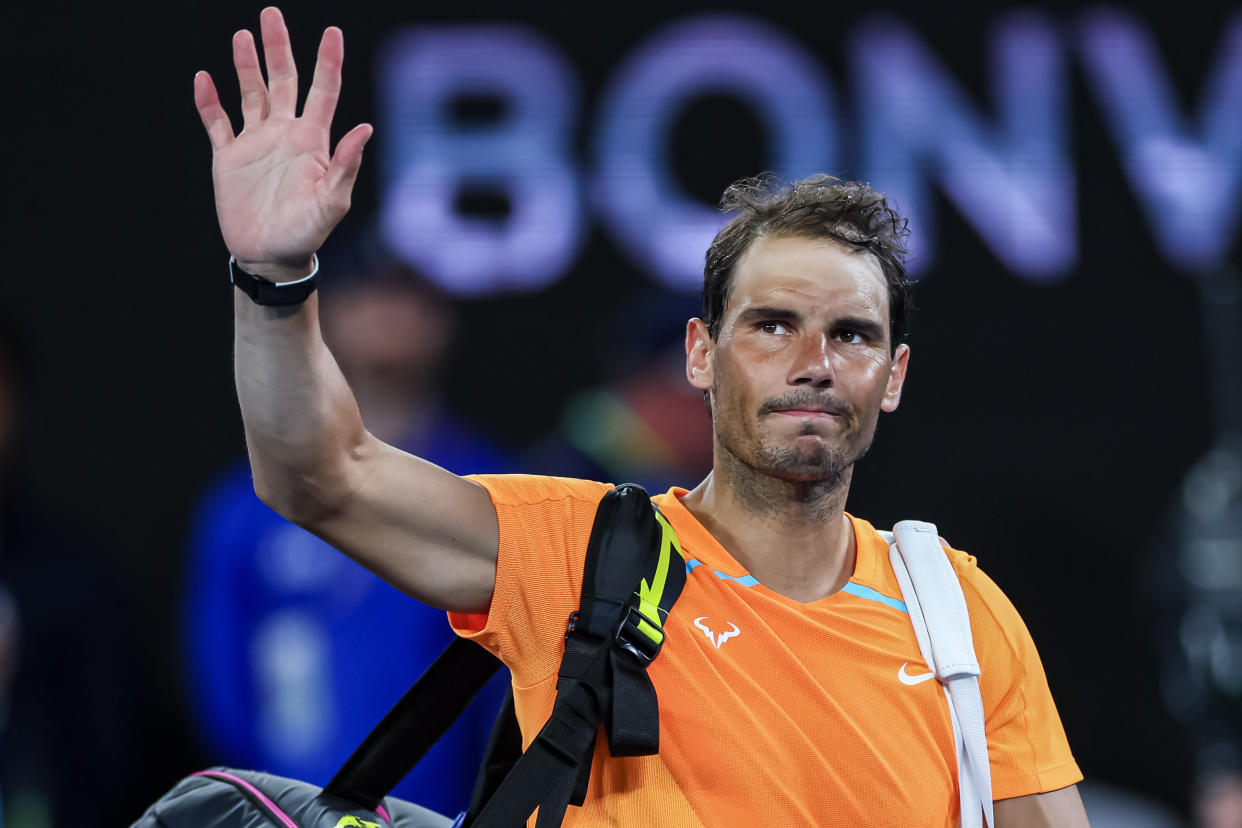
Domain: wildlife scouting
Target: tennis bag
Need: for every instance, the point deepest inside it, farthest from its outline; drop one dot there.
(630, 581)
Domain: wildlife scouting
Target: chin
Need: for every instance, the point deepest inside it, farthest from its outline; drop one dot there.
(803, 464)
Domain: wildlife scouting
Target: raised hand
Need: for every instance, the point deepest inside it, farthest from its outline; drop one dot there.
(278, 190)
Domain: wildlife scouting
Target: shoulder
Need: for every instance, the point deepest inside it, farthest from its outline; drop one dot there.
(544, 524)
(987, 602)
(1003, 644)
(996, 626)
(533, 489)
(1026, 741)
(546, 512)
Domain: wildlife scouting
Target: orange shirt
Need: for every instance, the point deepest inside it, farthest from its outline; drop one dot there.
(772, 712)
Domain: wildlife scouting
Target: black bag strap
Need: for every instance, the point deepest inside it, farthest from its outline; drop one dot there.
(405, 734)
(633, 574)
(504, 748)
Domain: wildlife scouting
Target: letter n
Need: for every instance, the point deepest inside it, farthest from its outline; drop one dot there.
(1011, 178)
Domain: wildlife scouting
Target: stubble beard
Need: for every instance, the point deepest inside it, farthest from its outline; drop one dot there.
(769, 478)
(821, 465)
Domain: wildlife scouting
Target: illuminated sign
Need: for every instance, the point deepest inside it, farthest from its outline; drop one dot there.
(1007, 167)
(1010, 176)
(1188, 176)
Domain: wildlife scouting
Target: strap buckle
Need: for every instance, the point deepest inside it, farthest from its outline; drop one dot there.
(631, 638)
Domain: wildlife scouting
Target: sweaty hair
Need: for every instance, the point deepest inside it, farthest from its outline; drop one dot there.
(819, 207)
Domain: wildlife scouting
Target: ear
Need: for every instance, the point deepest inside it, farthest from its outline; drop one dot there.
(699, 355)
(896, 378)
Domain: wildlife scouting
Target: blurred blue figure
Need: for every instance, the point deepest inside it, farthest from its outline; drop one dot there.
(294, 650)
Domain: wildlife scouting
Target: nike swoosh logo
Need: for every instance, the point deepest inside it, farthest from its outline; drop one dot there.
(906, 678)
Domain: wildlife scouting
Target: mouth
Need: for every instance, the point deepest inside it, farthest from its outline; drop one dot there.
(807, 413)
(807, 407)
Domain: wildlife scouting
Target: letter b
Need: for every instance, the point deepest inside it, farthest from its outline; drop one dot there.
(520, 153)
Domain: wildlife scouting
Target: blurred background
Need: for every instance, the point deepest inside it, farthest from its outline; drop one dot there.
(535, 205)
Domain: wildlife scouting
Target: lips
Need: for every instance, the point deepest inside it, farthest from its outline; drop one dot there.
(804, 412)
(804, 405)
(804, 409)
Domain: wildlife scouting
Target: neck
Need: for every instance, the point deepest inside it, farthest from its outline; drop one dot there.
(792, 536)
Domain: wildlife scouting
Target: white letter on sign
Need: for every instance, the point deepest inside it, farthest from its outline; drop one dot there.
(1012, 180)
(664, 231)
(520, 155)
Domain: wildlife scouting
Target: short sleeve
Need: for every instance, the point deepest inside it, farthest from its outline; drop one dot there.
(1027, 747)
(545, 523)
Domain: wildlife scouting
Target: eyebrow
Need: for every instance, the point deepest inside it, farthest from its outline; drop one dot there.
(762, 313)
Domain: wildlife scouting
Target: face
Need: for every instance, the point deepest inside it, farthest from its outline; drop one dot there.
(802, 367)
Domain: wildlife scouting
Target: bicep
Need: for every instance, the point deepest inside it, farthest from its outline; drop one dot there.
(1061, 808)
(423, 529)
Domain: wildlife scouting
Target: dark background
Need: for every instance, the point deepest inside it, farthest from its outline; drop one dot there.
(1044, 429)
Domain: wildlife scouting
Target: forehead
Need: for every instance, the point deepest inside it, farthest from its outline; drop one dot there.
(812, 274)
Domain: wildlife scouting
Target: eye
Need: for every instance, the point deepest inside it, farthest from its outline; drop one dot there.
(774, 327)
(850, 337)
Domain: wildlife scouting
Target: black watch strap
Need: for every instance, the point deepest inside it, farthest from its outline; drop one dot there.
(263, 292)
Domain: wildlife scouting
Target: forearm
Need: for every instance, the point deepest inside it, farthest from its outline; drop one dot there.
(303, 428)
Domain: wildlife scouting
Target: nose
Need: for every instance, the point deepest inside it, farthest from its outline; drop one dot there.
(812, 364)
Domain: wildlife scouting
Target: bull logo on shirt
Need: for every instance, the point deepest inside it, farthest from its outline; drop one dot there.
(355, 822)
(716, 638)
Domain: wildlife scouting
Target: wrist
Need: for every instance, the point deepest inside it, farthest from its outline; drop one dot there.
(285, 292)
(277, 272)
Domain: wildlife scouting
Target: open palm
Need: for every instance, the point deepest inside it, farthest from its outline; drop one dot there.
(279, 191)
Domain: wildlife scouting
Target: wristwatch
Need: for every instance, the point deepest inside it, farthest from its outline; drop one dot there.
(277, 294)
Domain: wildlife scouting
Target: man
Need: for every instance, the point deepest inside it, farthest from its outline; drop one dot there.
(807, 705)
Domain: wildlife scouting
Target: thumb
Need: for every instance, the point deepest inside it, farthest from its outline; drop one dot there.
(345, 163)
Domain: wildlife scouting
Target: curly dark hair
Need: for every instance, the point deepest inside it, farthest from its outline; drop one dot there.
(819, 207)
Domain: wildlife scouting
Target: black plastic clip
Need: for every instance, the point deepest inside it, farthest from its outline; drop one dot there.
(633, 640)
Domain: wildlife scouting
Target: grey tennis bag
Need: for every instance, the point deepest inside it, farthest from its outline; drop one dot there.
(357, 795)
(609, 642)
(221, 797)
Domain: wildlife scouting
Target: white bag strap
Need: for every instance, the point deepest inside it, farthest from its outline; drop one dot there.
(937, 607)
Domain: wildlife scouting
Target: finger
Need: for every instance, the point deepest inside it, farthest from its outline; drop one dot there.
(215, 119)
(344, 166)
(249, 79)
(326, 86)
(282, 72)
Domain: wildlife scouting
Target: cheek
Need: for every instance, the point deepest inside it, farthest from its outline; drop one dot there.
(871, 371)
(759, 363)
(865, 360)
(731, 387)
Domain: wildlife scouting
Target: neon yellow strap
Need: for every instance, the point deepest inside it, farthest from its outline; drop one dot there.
(649, 595)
